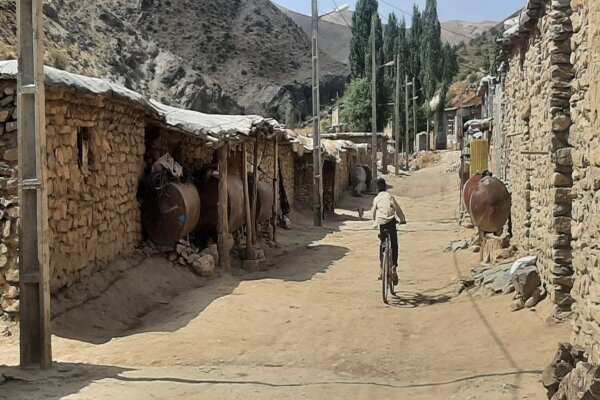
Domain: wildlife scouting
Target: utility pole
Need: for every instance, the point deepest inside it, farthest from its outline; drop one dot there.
(34, 269)
(406, 106)
(374, 103)
(317, 170)
(414, 105)
(397, 109)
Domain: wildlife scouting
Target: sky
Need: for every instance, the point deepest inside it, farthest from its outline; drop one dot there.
(466, 10)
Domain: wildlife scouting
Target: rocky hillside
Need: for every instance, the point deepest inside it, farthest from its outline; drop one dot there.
(229, 56)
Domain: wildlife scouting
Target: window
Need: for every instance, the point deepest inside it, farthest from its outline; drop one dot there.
(83, 149)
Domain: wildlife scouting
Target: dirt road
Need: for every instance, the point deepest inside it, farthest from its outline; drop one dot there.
(314, 326)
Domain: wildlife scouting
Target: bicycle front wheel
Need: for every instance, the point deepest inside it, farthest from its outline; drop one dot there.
(385, 276)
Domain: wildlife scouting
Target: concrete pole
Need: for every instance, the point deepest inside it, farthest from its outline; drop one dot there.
(406, 111)
(317, 170)
(397, 110)
(414, 105)
(374, 104)
(34, 269)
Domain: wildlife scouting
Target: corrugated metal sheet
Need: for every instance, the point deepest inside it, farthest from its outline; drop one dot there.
(479, 156)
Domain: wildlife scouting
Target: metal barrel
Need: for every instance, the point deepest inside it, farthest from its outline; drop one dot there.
(490, 205)
(468, 190)
(171, 213)
(209, 192)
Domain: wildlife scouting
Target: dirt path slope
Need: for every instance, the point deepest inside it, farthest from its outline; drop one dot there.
(315, 327)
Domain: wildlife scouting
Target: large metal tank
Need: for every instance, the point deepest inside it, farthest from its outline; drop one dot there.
(208, 188)
(468, 190)
(171, 213)
(264, 204)
(490, 205)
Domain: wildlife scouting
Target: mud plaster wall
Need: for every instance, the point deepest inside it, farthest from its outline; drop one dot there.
(535, 122)
(585, 139)
(95, 149)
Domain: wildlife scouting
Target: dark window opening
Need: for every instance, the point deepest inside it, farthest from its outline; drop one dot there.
(83, 149)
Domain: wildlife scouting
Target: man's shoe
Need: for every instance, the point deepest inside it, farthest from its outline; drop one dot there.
(395, 277)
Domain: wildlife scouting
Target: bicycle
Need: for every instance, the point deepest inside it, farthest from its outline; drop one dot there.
(387, 282)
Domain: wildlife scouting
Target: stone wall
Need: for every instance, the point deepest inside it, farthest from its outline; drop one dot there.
(535, 123)
(191, 152)
(95, 149)
(584, 137)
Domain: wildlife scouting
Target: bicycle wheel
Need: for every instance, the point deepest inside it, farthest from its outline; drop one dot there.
(385, 274)
(391, 280)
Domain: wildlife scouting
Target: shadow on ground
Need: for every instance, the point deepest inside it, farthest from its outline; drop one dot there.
(157, 296)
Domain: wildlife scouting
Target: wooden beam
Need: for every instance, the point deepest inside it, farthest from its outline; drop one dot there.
(223, 240)
(255, 189)
(275, 186)
(250, 255)
(35, 336)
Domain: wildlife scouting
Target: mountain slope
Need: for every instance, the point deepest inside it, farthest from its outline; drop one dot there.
(229, 56)
(335, 34)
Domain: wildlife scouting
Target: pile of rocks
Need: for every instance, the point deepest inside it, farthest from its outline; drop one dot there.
(570, 377)
(520, 278)
(202, 262)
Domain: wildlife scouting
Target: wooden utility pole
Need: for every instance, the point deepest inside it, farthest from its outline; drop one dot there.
(317, 170)
(223, 240)
(374, 103)
(249, 231)
(34, 269)
(397, 113)
(255, 189)
(275, 186)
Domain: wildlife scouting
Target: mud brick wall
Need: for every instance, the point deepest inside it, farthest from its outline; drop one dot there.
(536, 122)
(585, 139)
(266, 155)
(191, 152)
(95, 149)
(9, 201)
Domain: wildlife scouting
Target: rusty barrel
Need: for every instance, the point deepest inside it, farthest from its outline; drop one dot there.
(264, 204)
(490, 205)
(171, 213)
(209, 193)
(468, 190)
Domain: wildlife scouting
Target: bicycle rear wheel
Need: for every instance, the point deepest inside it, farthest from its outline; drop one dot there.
(385, 275)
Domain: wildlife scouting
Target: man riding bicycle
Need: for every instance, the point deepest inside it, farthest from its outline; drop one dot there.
(385, 210)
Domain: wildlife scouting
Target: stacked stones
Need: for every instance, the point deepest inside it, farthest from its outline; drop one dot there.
(536, 122)
(191, 152)
(201, 262)
(9, 202)
(95, 150)
(586, 175)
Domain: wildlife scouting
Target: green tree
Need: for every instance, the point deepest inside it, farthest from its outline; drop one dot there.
(357, 105)
(431, 50)
(361, 30)
(383, 90)
(390, 34)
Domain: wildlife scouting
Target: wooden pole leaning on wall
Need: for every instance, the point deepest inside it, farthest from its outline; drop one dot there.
(249, 246)
(275, 186)
(34, 268)
(223, 240)
(255, 189)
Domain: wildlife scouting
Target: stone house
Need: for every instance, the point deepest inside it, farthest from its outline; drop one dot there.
(547, 108)
(338, 158)
(100, 138)
(534, 127)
